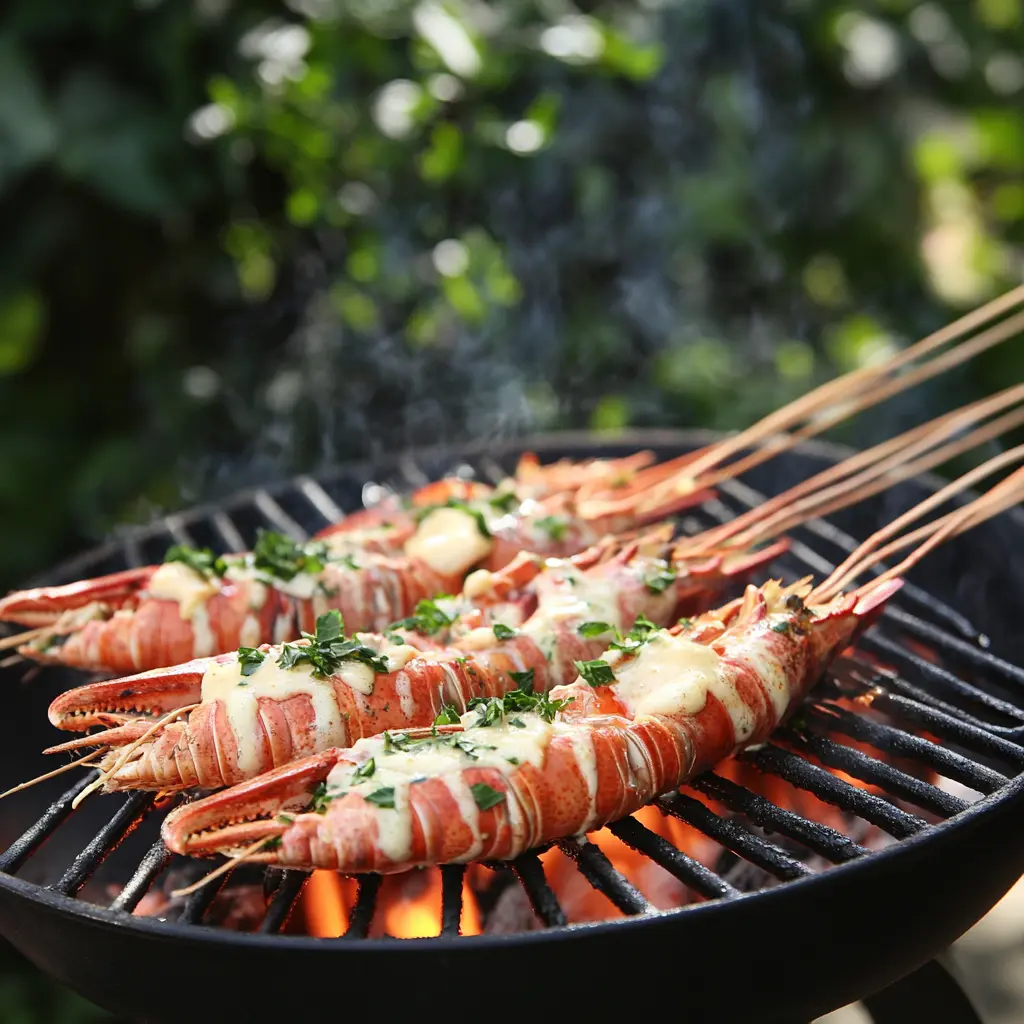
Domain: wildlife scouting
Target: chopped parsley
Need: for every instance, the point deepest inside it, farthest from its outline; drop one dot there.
(429, 618)
(596, 673)
(492, 709)
(503, 502)
(592, 629)
(554, 526)
(328, 649)
(273, 843)
(383, 797)
(448, 715)
(199, 560)
(280, 556)
(781, 627)
(365, 770)
(485, 796)
(636, 637)
(250, 659)
(503, 632)
(457, 741)
(320, 798)
(523, 680)
(658, 582)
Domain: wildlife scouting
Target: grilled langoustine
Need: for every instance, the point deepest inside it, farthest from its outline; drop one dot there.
(656, 710)
(262, 708)
(521, 771)
(374, 568)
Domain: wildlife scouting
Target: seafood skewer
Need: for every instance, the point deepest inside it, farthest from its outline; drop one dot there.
(519, 772)
(253, 710)
(197, 605)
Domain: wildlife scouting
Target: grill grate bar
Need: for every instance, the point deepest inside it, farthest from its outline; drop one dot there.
(734, 836)
(127, 816)
(597, 869)
(896, 741)
(33, 837)
(762, 812)
(861, 766)
(530, 872)
(361, 916)
(969, 652)
(942, 676)
(197, 904)
(231, 535)
(689, 871)
(946, 726)
(824, 785)
(175, 526)
(451, 898)
(277, 516)
(324, 504)
(283, 900)
(156, 859)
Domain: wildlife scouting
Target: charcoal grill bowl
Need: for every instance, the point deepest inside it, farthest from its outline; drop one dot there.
(787, 953)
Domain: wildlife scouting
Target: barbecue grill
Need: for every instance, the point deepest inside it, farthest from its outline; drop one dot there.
(804, 942)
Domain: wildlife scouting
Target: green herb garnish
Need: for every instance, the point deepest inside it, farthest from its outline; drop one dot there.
(592, 629)
(280, 556)
(503, 502)
(320, 798)
(429, 618)
(781, 627)
(448, 715)
(250, 659)
(485, 796)
(328, 649)
(658, 582)
(523, 680)
(596, 672)
(554, 526)
(492, 709)
(503, 632)
(383, 797)
(200, 560)
(365, 770)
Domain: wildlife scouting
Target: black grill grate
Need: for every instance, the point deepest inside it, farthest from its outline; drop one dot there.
(963, 725)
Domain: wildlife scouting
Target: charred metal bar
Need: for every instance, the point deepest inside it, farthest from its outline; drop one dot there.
(969, 652)
(734, 836)
(827, 787)
(878, 773)
(127, 816)
(179, 532)
(896, 741)
(197, 904)
(139, 884)
(821, 839)
(324, 504)
(277, 516)
(943, 677)
(282, 901)
(530, 872)
(948, 727)
(689, 871)
(361, 917)
(597, 869)
(233, 539)
(33, 837)
(451, 897)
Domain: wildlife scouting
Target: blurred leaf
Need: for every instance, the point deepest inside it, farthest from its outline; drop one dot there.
(444, 154)
(27, 130)
(21, 323)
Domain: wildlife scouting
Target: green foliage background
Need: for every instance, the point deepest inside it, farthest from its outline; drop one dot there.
(244, 239)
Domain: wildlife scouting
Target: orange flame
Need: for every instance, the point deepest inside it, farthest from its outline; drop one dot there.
(327, 899)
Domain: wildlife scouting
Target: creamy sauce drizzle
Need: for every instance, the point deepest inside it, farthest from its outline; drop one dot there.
(502, 746)
(449, 541)
(175, 581)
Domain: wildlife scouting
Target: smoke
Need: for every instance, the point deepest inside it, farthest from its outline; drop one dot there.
(654, 256)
